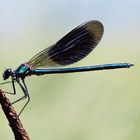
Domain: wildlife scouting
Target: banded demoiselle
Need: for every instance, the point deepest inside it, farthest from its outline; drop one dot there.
(73, 47)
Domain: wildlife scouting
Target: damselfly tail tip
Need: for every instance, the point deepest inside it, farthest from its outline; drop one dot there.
(130, 65)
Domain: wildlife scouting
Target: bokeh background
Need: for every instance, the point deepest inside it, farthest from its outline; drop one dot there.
(101, 105)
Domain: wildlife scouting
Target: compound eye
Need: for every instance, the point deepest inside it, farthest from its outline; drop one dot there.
(8, 70)
(7, 74)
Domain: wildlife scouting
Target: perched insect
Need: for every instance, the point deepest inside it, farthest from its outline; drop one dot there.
(71, 48)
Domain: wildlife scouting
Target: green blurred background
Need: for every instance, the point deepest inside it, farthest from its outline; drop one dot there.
(101, 105)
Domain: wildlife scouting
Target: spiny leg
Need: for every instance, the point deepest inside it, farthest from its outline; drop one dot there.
(26, 94)
(22, 98)
(7, 82)
(13, 85)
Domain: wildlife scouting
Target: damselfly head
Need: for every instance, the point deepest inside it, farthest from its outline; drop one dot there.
(7, 73)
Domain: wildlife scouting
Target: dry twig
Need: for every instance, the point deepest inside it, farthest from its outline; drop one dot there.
(14, 121)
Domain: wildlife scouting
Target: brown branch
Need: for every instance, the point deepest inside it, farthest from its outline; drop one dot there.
(14, 121)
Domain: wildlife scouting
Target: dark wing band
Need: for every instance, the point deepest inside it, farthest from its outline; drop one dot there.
(72, 47)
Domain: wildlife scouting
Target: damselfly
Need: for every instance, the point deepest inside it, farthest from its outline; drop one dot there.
(71, 48)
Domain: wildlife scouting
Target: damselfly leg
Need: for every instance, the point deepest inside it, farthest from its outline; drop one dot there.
(13, 85)
(23, 86)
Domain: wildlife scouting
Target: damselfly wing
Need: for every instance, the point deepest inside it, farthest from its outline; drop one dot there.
(71, 48)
